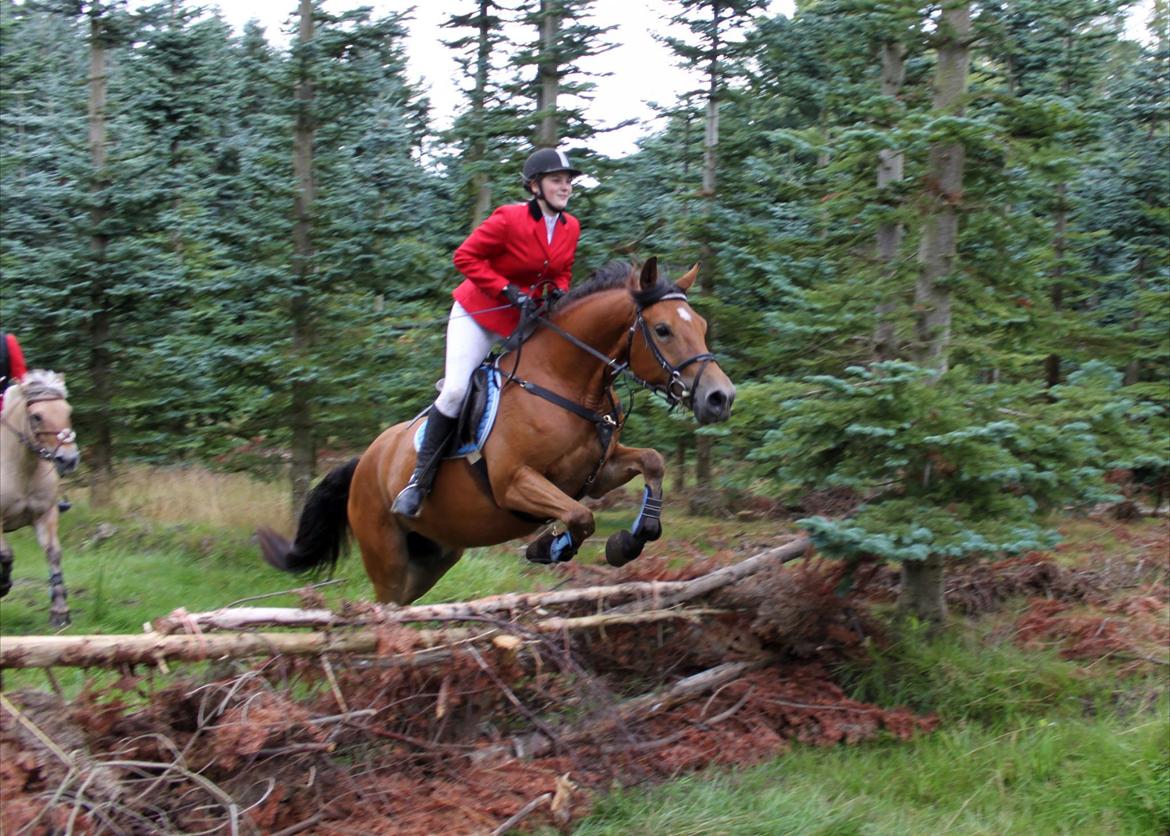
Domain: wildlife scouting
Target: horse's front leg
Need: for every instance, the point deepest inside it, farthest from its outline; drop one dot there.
(46, 528)
(5, 567)
(623, 465)
(531, 493)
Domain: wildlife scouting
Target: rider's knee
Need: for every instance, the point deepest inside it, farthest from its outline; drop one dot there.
(450, 399)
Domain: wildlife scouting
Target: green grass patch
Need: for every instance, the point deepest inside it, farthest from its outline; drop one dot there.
(1043, 777)
(968, 674)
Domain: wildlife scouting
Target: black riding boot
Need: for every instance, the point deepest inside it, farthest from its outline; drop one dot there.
(438, 432)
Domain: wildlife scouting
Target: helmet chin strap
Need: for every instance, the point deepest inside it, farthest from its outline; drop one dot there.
(544, 201)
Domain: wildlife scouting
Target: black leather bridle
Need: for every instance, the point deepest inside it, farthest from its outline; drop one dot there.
(675, 391)
(31, 439)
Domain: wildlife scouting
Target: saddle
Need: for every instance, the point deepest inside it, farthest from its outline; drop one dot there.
(477, 415)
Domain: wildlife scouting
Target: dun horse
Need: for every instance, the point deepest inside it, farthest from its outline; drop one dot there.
(554, 441)
(37, 446)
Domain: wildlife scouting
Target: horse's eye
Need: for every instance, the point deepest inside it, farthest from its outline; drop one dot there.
(35, 418)
(662, 330)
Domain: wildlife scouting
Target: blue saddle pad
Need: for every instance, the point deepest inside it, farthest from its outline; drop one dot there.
(483, 427)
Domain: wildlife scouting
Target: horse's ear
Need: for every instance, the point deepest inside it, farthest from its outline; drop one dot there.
(688, 278)
(649, 273)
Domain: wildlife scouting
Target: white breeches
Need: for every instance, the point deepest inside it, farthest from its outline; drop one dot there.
(468, 343)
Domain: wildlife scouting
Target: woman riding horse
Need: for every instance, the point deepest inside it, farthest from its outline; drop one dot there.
(554, 441)
(511, 257)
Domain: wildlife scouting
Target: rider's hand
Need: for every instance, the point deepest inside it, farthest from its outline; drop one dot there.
(520, 299)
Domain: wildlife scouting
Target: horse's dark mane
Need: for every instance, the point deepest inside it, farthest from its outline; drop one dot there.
(615, 275)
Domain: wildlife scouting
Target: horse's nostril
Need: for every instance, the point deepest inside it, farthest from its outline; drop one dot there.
(716, 399)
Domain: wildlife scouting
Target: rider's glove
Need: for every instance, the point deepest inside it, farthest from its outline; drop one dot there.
(520, 299)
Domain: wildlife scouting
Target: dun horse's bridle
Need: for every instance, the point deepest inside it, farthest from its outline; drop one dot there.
(31, 439)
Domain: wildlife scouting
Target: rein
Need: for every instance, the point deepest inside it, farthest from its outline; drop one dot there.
(62, 436)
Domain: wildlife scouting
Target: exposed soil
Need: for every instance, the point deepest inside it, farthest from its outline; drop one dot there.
(371, 745)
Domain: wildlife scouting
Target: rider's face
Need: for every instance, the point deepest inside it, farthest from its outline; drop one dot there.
(557, 188)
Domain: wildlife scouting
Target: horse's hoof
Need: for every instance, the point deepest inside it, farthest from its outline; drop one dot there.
(551, 548)
(621, 548)
(538, 550)
(647, 529)
(60, 620)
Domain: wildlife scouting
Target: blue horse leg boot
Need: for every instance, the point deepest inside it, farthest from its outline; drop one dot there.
(648, 524)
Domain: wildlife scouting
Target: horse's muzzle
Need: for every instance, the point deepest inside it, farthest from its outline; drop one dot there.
(66, 461)
(712, 402)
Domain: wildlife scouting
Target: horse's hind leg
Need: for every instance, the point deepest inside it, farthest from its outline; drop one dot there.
(402, 565)
(623, 465)
(428, 562)
(46, 528)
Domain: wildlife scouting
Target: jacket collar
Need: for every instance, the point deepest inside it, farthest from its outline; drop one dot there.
(537, 214)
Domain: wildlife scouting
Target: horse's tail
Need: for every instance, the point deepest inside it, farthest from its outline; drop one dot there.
(322, 529)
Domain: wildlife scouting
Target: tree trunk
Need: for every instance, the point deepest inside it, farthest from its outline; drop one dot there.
(99, 450)
(549, 76)
(481, 187)
(708, 273)
(889, 233)
(922, 582)
(921, 594)
(300, 408)
(944, 193)
(1056, 293)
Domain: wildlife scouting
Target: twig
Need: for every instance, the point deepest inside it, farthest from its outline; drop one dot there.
(512, 698)
(45, 740)
(337, 695)
(523, 813)
(266, 595)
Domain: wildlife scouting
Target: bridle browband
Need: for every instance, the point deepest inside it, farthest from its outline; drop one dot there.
(62, 436)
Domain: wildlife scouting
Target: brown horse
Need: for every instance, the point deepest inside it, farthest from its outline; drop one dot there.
(555, 440)
(37, 446)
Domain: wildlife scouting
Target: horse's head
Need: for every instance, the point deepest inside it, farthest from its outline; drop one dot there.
(668, 346)
(41, 416)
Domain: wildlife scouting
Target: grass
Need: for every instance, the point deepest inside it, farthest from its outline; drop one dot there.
(1042, 777)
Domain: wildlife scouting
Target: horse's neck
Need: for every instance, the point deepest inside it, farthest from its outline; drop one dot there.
(600, 322)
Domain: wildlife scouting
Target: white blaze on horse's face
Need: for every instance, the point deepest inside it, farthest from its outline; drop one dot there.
(684, 314)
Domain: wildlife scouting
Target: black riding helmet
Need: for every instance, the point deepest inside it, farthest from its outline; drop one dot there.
(547, 161)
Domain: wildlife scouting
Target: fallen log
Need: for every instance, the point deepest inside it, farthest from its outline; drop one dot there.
(154, 648)
(650, 595)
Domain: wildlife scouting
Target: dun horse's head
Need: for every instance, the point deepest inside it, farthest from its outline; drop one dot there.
(48, 430)
(672, 349)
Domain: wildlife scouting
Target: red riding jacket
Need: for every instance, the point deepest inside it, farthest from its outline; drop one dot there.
(511, 247)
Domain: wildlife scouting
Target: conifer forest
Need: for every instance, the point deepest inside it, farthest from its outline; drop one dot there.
(934, 241)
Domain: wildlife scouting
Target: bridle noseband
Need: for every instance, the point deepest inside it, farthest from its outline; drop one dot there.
(30, 439)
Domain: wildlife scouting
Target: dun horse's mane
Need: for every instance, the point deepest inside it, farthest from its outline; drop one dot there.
(41, 383)
(613, 276)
